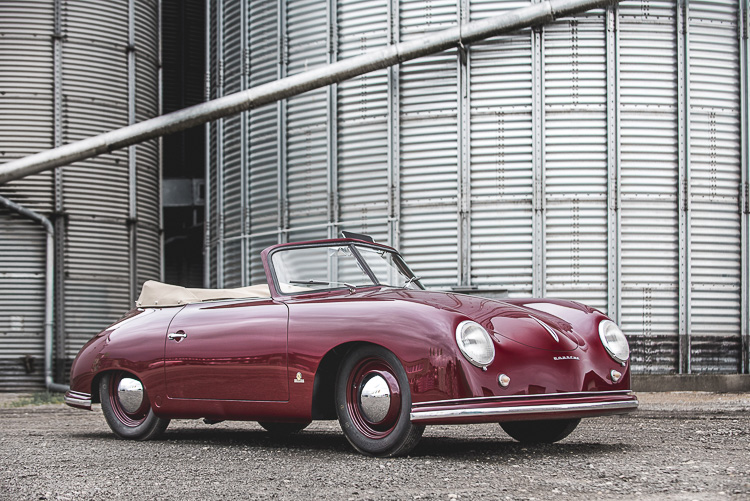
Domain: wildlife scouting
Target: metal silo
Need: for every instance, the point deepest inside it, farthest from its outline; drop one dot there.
(71, 70)
(601, 158)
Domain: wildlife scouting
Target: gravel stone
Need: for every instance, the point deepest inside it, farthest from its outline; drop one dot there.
(678, 446)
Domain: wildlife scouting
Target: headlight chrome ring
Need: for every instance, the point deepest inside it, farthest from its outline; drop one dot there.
(614, 341)
(475, 344)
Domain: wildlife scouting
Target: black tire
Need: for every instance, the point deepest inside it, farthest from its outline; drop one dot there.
(283, 428)
(133, 424)
(393, 434)
(540, 432)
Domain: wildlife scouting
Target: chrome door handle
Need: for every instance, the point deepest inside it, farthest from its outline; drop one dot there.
(176, 336)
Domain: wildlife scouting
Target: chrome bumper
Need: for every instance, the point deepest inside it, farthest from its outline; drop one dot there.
(527, 407)
(78, 399)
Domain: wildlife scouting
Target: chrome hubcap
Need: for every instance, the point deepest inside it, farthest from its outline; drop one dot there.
(130, 394)
(375, 398)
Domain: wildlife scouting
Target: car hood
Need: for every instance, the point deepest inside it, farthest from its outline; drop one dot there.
(528, 326)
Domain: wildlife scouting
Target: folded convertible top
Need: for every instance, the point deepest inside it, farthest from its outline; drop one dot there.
(157, 294)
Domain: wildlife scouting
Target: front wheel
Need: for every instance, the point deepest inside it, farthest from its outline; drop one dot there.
(540, 432)
(127, 409)
(373, 403)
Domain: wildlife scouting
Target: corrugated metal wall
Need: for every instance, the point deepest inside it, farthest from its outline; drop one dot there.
(601, 158)
(27, 89)
(71, 70)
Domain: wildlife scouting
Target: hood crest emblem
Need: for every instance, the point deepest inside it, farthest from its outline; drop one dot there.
(548, 329)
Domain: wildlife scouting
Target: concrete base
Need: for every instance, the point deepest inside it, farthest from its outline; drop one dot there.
(719, 383)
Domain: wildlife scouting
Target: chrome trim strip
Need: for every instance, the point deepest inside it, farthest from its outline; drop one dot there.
(78, 399)
(523, 409)
(535, 396)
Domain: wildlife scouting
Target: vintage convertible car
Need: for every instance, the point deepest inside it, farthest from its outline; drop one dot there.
(344, 330)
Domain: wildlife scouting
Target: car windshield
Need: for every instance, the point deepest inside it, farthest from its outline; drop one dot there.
(311, 268)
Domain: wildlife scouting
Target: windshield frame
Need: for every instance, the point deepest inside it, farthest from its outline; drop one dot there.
(397, 260)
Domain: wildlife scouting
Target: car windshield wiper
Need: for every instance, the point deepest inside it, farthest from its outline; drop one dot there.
(320, 282)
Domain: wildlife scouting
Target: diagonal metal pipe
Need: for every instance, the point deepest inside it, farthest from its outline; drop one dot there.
(532, 15)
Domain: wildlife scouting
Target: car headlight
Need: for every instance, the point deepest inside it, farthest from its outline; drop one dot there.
(475, 343)
(614, 341)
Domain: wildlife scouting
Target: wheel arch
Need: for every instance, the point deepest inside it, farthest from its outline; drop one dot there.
(96, 380)
(323, 401)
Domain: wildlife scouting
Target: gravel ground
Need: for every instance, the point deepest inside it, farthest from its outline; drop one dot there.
(683, 445)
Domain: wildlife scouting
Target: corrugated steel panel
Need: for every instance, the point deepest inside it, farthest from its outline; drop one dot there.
(148, 231)
(580, 214)
(95, 66)
(575, 161)
(233, 202)
(22, 287)
(147, 59)
(714, 180)
(480, 9)
(418, 17)
(363, 182)
(264, 135)
(232, 165)
(306, 122)
(26, 124)
(212, 216)
(501, 247)
(501, 143)
(148, 186)
(648, 182)
(429, 149)
(213, 82)
(232, 47)
(96, 192)
(97, 264)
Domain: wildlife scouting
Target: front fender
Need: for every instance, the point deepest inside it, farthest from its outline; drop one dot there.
(134, 344)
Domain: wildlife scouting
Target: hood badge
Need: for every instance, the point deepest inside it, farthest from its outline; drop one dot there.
(548, 329)
(566, 357)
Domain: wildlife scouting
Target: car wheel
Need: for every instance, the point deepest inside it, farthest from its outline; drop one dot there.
(127, 409)
(373, 403)
(283, 428)
(540, 432)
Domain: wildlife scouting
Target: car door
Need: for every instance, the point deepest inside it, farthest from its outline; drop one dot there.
(228, 350)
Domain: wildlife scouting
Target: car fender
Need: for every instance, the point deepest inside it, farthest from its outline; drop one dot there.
(134, 344)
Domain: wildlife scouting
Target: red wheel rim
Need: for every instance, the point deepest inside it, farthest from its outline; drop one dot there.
(131, 419)
(364, 370)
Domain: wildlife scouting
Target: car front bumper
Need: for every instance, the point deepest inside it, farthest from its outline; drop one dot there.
(78, 399)
(524, 407)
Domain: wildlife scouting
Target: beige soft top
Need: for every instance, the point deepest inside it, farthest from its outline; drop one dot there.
(158, 294)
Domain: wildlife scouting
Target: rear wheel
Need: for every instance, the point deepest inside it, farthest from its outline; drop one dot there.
(373, 403)
(283, 428)
(540, 432)
(127, 409)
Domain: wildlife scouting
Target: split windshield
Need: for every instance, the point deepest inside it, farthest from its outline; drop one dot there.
(313, 268)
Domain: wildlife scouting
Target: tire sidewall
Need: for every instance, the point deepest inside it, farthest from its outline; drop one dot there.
(149, 428)
(391, 443)
(540, 432)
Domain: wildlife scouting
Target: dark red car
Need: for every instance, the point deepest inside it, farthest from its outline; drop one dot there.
(344, 330)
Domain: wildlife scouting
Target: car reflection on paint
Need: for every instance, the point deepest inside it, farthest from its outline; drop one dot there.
(344, 330)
